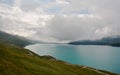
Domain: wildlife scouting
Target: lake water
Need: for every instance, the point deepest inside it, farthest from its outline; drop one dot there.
(100, 57)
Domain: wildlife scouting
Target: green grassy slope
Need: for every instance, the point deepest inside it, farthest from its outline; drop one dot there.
(16, 60)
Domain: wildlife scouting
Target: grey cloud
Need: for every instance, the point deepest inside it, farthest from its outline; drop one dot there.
(74, 28)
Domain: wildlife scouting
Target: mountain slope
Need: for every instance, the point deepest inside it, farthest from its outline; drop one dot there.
(14, 39)
(15, 60)
(112, 41)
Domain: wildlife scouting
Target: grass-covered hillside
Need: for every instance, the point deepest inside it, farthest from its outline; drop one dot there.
(15, 60)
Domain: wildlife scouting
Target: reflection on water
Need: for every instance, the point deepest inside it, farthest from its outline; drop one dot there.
(100, 57)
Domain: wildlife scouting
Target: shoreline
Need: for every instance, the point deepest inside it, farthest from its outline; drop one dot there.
(49, 57)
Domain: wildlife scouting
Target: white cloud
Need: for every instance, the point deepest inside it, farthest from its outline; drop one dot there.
(62, 2)
(106, 31)
(16, 21)
(61, 20)
(17, 2)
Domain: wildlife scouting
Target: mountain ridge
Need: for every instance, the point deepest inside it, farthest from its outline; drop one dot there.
(111, 41)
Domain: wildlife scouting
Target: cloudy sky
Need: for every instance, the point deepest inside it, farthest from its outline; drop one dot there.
(60, 20)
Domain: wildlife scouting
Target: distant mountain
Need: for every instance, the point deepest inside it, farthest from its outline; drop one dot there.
(116, 44)
(112, 41)
(14, 39)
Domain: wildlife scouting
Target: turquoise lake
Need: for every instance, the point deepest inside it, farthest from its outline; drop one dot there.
(99, 57)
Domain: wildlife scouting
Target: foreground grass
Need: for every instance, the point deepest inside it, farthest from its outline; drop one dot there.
(15, 60)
